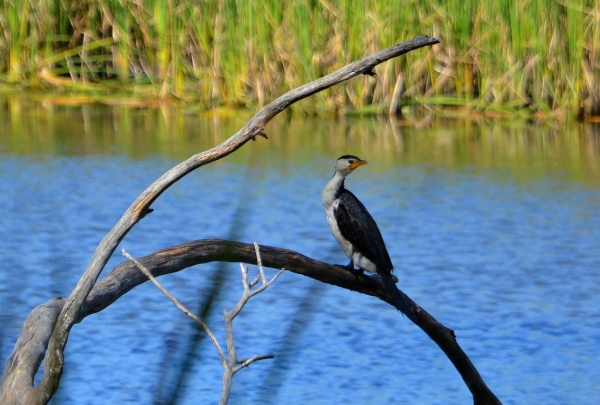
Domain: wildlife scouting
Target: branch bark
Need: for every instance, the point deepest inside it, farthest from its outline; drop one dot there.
(126, 276)
(23, 363)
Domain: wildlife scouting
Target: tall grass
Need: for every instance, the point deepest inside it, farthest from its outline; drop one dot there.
(533, 57)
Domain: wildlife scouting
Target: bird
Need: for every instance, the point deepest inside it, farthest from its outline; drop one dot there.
(357, 232)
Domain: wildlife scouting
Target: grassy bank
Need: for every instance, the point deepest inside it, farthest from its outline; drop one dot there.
(536, 57)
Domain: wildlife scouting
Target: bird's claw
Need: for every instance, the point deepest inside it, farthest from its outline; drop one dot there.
(351, 269)
(359, 271)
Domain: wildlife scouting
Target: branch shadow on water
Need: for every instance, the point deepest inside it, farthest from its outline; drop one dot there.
(287, 352)
(174, 375)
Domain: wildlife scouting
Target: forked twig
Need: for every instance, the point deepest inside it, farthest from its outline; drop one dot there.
(231, 365)
(234, 365)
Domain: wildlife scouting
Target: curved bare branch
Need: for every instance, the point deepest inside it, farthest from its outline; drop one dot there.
(140, 207)
(126, 276)
(73, 306)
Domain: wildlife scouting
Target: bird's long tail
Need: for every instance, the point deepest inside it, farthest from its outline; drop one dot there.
(397, 298)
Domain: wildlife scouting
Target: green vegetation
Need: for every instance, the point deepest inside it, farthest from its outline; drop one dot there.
(529, 58)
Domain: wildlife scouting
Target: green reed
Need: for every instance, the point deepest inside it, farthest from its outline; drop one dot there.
(535, 57)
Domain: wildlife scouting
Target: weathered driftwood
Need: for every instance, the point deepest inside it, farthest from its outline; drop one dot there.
(23, 363)
(126, 276)
(255, 127)
(80, 302)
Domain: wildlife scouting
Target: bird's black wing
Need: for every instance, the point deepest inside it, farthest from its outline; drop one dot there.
(357, 225)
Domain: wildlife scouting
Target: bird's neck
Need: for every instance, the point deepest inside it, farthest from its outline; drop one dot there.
(333, 189)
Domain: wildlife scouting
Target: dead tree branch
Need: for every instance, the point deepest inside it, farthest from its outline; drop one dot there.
(234, 365)
(140, 207)
(74, 308)
(126, 276)
(26, 358)
(231, 365)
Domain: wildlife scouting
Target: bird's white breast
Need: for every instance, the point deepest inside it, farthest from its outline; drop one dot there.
(330, 202)
(335, 230)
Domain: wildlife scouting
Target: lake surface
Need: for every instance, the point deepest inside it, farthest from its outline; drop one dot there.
(494, 228)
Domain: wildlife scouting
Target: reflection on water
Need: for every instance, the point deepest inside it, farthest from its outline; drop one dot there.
(494, 229)
(524, 151)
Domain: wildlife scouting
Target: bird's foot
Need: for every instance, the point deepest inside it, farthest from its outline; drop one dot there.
(349, 266)
(358, 272)
(351, 269)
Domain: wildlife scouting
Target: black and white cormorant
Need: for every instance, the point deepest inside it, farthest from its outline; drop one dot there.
(356, 231)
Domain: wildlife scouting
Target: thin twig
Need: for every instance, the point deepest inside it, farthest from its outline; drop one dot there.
(247, 362)
(260, 265)
(234, 365)
(178, 305)
(231, 365)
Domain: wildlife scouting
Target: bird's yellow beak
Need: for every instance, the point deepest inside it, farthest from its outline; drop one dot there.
(357, 164)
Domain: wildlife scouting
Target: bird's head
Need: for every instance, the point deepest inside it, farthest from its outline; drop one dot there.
(347, 163)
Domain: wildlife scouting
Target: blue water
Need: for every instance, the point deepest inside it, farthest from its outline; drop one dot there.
(511, 265)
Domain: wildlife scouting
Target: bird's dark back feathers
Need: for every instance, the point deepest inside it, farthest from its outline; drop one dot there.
(359, 227)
